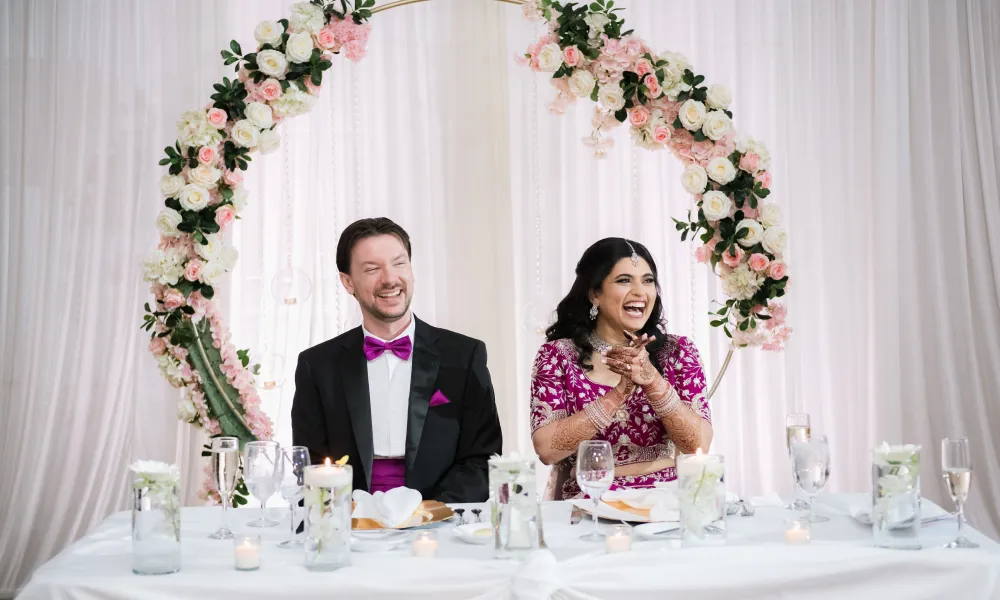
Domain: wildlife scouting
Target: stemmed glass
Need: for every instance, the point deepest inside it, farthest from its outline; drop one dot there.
(956, 466)
(796, 428)
(261, 473)
(812, 468)
(595, 471)
(293, 462)
(225, 467)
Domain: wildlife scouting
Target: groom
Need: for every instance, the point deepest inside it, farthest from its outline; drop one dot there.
(409, 403)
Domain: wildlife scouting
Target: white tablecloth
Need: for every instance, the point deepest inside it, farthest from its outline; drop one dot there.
(756, 563)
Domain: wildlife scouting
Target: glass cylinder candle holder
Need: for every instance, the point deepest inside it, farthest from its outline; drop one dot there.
(327, 494)
(701, 491)
(156, 519)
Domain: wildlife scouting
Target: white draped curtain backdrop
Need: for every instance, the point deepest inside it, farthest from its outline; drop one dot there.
(883, 119)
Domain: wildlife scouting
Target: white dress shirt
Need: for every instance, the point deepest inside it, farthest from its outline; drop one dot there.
(389, 389)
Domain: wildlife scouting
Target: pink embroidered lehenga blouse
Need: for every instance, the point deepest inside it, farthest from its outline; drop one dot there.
(560, 388)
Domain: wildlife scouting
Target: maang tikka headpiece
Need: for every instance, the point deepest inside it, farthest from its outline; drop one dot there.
(635, 255)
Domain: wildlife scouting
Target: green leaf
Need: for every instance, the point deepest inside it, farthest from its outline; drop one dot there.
(699, 136)
(236, 48)
(621, 115)
(718, 323)
(222, 398)
(244, 356)
(207, 292)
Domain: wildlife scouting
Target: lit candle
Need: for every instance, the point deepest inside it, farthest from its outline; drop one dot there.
(697, 463)
(799, 532)
(619, 540)
(424, 545)
(247, 552)
(327, 475)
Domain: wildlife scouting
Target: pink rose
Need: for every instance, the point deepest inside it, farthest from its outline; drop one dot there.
(759, 262)
(777, 270)
(749, 162)
(173, 299)
(270, 89)
(157, 346)
(207, 155)
(326, 38)
(225, 215)
(311, 87)
(703, 254)
(643, 68)
(571, 55)
(639, 116)
(661, 133)
(652, 86)
(232, 178)
(764, 179)
(193, 270)
(217, 118)
(354, 51)
(733, 261)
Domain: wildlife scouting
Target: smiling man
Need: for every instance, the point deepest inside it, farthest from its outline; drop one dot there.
(409, 403)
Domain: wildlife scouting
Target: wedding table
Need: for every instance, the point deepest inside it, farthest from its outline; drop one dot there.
(840, 562)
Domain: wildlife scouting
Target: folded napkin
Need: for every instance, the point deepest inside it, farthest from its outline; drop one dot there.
(661, 501)
(395, 508)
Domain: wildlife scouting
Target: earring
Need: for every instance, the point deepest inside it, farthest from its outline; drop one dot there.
(593, 313)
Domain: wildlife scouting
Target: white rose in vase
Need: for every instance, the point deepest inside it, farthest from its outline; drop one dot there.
(716, 205)
(299, 47)
(692, 115)
(272, 63)
(694, 179)
(269, 32)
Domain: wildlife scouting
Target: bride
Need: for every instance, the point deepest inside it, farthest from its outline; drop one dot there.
(606, 372)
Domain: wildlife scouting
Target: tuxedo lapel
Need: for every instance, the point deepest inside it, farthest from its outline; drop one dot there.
(357, 398)
(426, 361)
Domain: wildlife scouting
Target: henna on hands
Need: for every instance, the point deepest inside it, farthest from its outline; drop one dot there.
(686, 435)
(570, 431)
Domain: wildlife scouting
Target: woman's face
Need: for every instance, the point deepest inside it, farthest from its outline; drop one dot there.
(627, 295)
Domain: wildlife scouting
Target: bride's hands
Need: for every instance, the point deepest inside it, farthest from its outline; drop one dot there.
(632, 362)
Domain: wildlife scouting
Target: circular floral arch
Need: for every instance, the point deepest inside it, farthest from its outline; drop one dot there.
(588, 53)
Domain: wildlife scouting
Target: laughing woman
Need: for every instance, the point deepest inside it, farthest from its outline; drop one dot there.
(606, 372)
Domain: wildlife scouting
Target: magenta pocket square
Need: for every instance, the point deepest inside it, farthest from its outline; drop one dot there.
(438, 399)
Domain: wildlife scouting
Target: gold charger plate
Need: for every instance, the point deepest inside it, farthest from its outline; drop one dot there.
(431, 511)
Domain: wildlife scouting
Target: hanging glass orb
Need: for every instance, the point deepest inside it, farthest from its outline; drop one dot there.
(534, 319)
(271, 372)
(291, 286)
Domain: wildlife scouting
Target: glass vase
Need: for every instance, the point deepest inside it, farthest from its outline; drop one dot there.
(514, 507)
(156, 527)
(327, 494)
(701, 493)
(896, 500)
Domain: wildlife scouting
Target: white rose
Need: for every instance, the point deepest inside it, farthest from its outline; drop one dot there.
(171, 185)
(211, 249)
(742, 283)
(692, 115)
(260, 115)
(775, 240)
(581, 83)
(550, 58)
(269, 141)
(611, 96)
(299, 47)
(194, 197)
(677, 59)
(240, 199)
(204, 176)
(211, 272)
(743, 142)
(716, 125)
(167, 222)
(596, 22)
(762, 152)
(269, 32)
(756, 232)
(244, 134)
(716, 205)
(307, 16)
(721, 170)
(272, 63)
(719, 97)
(228, 257)
(769, 214)
(897, 454)
(694, 179)
(186, 410)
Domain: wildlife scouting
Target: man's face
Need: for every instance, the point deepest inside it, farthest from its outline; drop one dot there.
(380, 278)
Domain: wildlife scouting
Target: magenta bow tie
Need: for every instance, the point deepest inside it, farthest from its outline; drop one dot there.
(375, 348)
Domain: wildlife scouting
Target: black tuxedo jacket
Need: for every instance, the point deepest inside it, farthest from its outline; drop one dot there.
(447, 446)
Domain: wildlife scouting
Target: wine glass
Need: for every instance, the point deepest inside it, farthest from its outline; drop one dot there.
(294, 460)
(595, 471)
(225, 467)
(956, 465)
(812, 468)
(796, 428)
(261, 473)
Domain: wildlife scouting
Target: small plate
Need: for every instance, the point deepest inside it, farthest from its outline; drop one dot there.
(475, 533)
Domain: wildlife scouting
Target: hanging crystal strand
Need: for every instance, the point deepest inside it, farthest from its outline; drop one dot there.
(332, 200)
(356, 113)
(287, 195)
(536, 184)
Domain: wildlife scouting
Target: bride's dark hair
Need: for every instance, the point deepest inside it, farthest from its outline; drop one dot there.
(573, 312)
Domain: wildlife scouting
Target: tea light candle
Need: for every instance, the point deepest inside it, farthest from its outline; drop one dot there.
(327, 475)
(619, 540)
(695, 464)
(246, 550)
(424, 545)
(798, 533)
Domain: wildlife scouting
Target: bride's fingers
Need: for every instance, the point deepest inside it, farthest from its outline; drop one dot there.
(618, 366)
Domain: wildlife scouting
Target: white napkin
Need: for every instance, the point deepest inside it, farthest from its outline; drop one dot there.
(394, 508)
(661, 501)
(768, 500)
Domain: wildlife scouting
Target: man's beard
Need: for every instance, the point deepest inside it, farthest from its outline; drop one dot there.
(383, 316)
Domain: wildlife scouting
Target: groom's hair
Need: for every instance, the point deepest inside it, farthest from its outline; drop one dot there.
(366, 228)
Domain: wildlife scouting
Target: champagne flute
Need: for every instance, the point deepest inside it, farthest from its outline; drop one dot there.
(225, 467)
(812, 469)
(796, 428)
(261, 473)
(595, 471)
(294, 460)
(956, 466)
